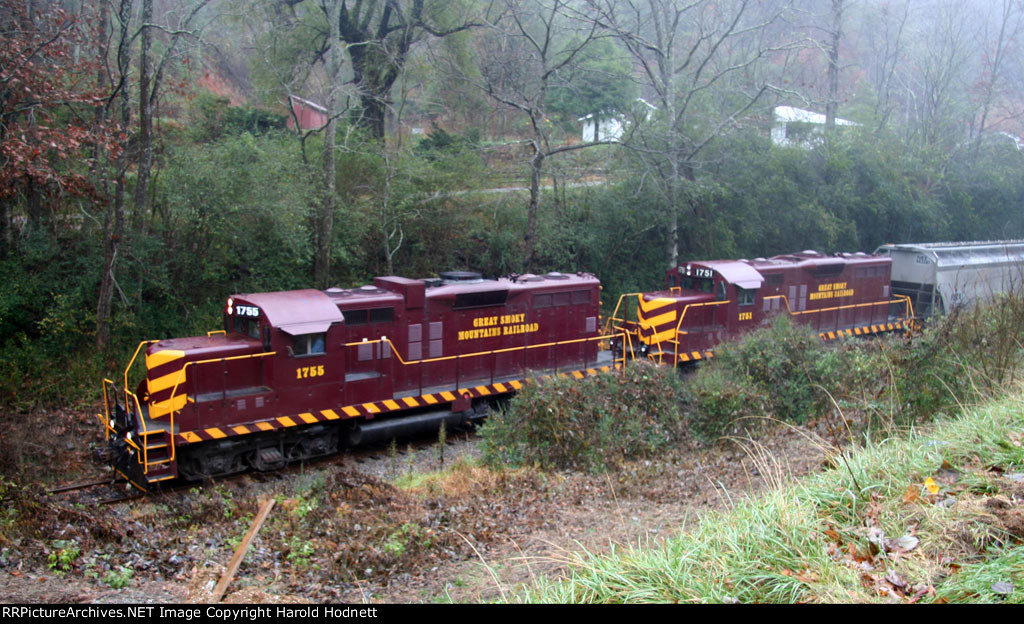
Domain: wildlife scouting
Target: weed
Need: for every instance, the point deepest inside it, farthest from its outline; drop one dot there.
(64, 556)
(404, 537)
(442, 438)
(300, 552)
(119, 578)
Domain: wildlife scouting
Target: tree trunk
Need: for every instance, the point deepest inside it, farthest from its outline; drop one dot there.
(145, 121)
(113, 229)
(324, 230)
(530, 239)
(832, 107)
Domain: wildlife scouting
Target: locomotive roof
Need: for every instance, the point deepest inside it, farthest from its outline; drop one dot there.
(296, 312)
(735, 272)
(549, 281)
(313, 311)
(964, 253)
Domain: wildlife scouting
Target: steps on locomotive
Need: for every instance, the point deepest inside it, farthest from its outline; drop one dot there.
(155, 440)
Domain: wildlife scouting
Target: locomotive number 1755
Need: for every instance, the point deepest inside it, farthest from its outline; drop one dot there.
(309, 371)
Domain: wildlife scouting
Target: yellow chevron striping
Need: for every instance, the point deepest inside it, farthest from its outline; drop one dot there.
(240, 429)
(447, 396)
(214, 432)
(410, 402)
(287, 422)
(191, 437)
(430, 399)
(684, 357)
(577, 374)
(516, 385)
(162, 408)
(308, 418)
(350, 411)
(499, 387)
(482, 390)
(649, 306)
(265, 426)
(696, 355)
(668, 334)
(391, 405)
(165, 382)
(370, 407)
(330, 414)
(659, 320)
(162, 357)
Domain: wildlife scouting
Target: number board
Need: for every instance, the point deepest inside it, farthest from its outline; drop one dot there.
(247, 311)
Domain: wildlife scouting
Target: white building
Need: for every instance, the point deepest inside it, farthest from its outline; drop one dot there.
(609, 127)
(796, 127)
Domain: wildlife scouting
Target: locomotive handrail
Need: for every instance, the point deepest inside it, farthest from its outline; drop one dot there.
(896, 299)
(181, 376)
(130, 364)
(613, 317)
(679, 324)
(461, 356)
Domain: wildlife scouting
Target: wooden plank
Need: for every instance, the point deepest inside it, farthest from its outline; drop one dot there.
(236, 559)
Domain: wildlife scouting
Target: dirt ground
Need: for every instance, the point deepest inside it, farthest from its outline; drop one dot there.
(342, 531)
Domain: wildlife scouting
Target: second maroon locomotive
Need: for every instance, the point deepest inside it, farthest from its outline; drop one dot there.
(707, 302)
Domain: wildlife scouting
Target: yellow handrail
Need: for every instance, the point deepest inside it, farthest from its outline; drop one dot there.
(614, 317)
(896, 299)
(181, 377)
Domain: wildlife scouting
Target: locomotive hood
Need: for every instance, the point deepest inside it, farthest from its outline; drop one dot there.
(165, 387)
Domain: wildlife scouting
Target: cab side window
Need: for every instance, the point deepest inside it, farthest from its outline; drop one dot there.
(745, 296)
(309, 344)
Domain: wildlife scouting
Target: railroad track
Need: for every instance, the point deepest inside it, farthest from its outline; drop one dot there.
(110, 490)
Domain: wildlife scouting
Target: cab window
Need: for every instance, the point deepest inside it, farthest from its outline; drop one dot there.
(309, 344)
(247, 327)
(745, 296)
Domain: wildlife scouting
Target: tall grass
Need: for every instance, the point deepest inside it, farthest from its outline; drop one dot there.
(831, 538)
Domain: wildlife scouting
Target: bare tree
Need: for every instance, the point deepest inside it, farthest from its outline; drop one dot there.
(884, 28)
(836, 36)
(702, 63)
(533, 43)
(114, 223)
(936, 76)
(1008, 23)
(151, 77)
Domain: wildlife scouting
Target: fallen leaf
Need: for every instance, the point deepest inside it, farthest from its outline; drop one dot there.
(908, 542)
(895, 579)
(911, 495)
(1002, 588)
(931, 486)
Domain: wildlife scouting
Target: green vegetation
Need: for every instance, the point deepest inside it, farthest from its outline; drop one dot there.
(873, 529)
(593, 424)
(782, 372)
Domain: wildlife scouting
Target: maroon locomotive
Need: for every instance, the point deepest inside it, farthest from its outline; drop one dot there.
(707, 302)
(300, 374)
